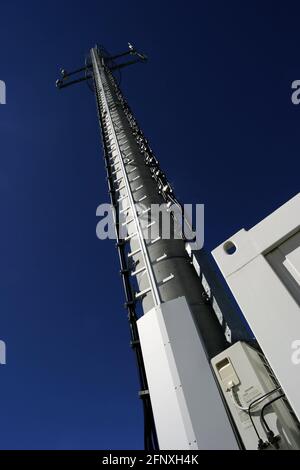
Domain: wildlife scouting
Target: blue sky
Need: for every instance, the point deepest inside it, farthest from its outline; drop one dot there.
(214, 100)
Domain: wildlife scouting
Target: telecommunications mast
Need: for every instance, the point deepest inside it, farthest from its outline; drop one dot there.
(178, 314)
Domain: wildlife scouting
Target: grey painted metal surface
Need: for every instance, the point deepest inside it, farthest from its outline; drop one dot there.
(263, 275)
(254, 380)
(186, 403)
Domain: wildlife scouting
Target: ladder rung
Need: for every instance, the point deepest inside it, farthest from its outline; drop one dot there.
(145, 211)
(127, 223)
(122, 197)
(124, 154)
(131, 236)
(138, 271)
(151, 224)
(137, 189)
(121, 187)
(132, 170)
(142, 293)
(124, 210)
(155, 240)
(142, 198)
(169, 278)
(135, 178)
(133, 253)
(118, 179)
(161, 258)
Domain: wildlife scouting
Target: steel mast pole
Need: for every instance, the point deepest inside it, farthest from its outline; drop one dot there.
(161, 268)
(136, 191)
(174, 329)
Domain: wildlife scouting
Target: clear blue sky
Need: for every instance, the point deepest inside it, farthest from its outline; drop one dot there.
(214, 100)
